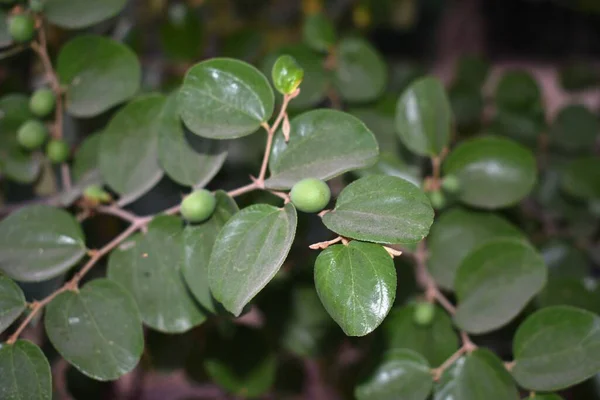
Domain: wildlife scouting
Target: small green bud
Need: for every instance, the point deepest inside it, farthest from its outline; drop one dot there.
(42, 102)
(96, 194)
(437, 199)
(21, 27)
(310, 195)
(287, 74)
(198, 206)
(57, 151)
(32, 134)
(424, 313)
(451, 184)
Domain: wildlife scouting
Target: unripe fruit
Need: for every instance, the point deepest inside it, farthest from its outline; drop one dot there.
(198, 206)
(57, 151)
(451, 184)
(96, 194)
(287, 74)
(437, 199)
(42, 102)
(310, 195)
(423, 313)
(21, 27)
(32, 134)
(36, 6)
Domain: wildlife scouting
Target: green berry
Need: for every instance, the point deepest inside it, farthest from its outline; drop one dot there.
(95, 193)
(32, 134)
(198, 205)
(21, 27)
(451, 184)
(36, 6)
(42, 102)
(310, 195)
(437, 199)
(423, 313)
(57, 151)
(287, 74)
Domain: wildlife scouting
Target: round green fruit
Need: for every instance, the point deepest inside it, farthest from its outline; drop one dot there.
(451, 184)
(310, 195)
(32, 134)
(21, 27)
(57, 151)
(287, 74)
(437, 199)
(198, 206)
(96, 193)
(423, 313)
(42, 102)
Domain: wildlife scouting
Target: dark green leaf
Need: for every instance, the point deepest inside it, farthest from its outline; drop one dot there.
(24, 372)
(564, 259)
(129, 147)
(379, 118)
(86, 157)
(467, 105)
(149, 267)
(471, 71)
(575, 129)
(75, 14)
(323, 144)
(318, 32)
(423, 117)
(578, 75)
(522, 126)
(39, 242)
(248, 252)
(570, 291)
(224, 99)
(97, 329)
(581, 178)
(477, 376)
(198, 241)
(381, 209)
(99, 73)
(495, 282)
(456, 233)
(436, 341)
(494, 172)
(403, 374)
(556, 347)
(357, 285)
(181, 33)
(12, 302)
(517, 90)
(360, 73)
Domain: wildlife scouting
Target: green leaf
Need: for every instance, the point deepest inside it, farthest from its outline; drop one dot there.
(403, 374)
(392, 165)
(198, 241)
(248, 252)
(494, 172)
(181, 33)
(564, 259)
(12, 302)
(76, 14)
(424, 117)
(436, 341)
(87, 157)
(318, 32)
(381, 209)
(224, 98)
(360, 73)
(522, 126)
(188, 159)
(39, 242)
(471, 71)
(495, 282)
(556, 347)
(323, 144)
(379, 118)
(570, 291)
(24, 372)
(575, 129)
(477, 376)
(98, 73)
(517, 90)
(581, 178)
(467, 105)
(357, 285)
(97, 329)
(456, 233)
(149, 267)
(129, 147)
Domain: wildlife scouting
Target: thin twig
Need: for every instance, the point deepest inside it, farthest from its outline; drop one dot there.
(437, 372)
(325, 244)
(244, 189)
(118, 212)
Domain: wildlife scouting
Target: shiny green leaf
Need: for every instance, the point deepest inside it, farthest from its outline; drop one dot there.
(76, 14)
(12, 302)
(581, 178)
(24, 372)
(381, 209)
(97, 329)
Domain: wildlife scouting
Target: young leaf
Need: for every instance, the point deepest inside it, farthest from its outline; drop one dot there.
(99, 73)
(188, 159)
(357, 285)
(494, 172)
(198, 241)
(149, 267)
(423, 117)
(495, 282)
(12, 302)
(248, 252)
(76, 14)
(456, 233)
(556, 347)
(97, 329)
(360, 73)
(480, 375)
(581, 178)
(403, 374)
(24, 372)
(436, 341)
(224, 98)
(129, 147)
(381, 209)
(323, 144)
(39, 242)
